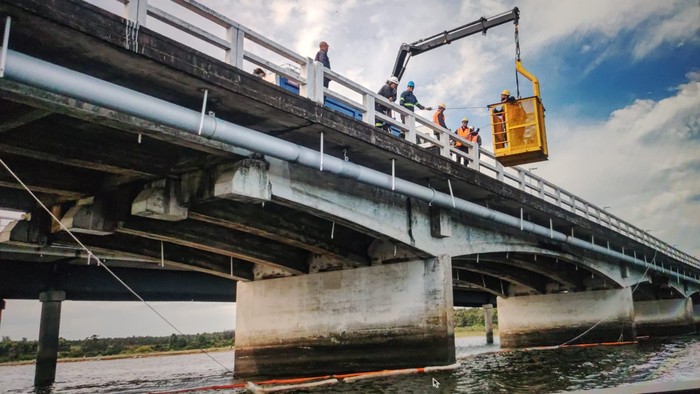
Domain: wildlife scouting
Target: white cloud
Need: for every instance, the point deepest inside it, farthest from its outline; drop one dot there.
(642, 161)
(81, 319)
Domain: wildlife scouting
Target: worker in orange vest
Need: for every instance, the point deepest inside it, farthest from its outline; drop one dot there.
(463, 132)
(474, 136)
(439, 116)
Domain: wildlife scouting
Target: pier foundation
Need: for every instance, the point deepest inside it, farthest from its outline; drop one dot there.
(664, 317)
(488, 322)
(364, 319)
(566, 318)
(47, 351)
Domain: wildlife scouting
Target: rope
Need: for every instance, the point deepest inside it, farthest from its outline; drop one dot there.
(605, 318)
(517, 58)
(99, 262)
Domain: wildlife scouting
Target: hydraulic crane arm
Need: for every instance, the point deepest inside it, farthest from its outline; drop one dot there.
(438, 40)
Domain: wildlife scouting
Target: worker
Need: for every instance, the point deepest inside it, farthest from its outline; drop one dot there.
(410, 101)
(439, 116)
(388, 90)
(322, 56)
(259, 72)
(462, 131)
(499, 120)
(474, 136)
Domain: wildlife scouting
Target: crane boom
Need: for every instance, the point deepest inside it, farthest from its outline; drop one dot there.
(438, 40)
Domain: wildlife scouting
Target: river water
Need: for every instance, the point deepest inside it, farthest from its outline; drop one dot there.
(484, 369)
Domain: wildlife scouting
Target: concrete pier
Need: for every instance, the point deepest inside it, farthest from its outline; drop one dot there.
(488, 322)
(664, 317)
(379, 317)
(2, 307)
(555, 319)
(47, 351)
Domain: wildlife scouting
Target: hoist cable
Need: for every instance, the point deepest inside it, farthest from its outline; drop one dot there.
(517, 58)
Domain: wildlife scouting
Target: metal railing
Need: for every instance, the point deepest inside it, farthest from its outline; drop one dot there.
(240, 43)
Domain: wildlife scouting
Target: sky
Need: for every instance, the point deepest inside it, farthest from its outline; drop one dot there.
(620, 81)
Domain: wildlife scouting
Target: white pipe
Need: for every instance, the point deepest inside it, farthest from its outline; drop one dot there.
(60, 80)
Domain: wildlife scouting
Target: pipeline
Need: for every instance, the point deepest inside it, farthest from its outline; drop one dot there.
(38, 73)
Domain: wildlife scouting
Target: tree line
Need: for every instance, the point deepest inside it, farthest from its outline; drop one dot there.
(94, 346)
(473, 318)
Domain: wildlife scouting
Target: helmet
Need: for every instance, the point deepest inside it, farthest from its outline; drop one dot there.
(505, 92)
(442, 105)
(411, 84)
(465, 120)
(394, 80)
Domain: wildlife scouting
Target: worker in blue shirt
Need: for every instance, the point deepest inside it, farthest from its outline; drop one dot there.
(409, 100)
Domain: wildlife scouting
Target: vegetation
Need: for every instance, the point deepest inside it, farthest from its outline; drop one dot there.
(473, 318)
(94, 346)
(466, 319)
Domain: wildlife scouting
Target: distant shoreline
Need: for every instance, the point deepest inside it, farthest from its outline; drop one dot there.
(460, 332)
(122, 356)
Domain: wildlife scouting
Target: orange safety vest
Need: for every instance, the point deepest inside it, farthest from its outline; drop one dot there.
(462, 132)
(473, 138)
(436, 115)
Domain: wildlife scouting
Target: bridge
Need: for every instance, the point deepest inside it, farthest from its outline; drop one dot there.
(345, 247)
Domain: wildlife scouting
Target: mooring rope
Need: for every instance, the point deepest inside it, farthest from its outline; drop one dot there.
(653, 259)
(100, 263)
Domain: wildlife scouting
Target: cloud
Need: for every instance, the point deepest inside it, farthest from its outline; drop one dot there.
(642, 162)
(81, 319)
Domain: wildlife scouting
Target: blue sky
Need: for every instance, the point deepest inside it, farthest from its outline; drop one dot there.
(620, 81)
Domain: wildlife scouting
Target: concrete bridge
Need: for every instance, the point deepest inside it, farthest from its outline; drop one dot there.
(344, 246)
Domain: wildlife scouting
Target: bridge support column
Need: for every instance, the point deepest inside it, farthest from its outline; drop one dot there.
(47, 351)
(370, 318)
(696, 314)
(488, 322)
(555, 319)
(664, 317)
(2, 307)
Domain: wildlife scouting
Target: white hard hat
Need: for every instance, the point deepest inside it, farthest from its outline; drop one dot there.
(394, 80)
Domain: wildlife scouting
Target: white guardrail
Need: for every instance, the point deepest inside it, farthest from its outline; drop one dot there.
(239, 41)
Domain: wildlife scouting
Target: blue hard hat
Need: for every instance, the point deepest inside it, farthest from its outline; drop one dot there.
(411, 84)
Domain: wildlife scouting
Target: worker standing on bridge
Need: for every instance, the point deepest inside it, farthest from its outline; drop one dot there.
(439, 116)
(462, 131)
(410, 101)
(322, 56)
(474, 136)
(388, 90)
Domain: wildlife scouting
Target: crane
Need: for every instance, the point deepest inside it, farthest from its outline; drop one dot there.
(517, 126)
(440, 39)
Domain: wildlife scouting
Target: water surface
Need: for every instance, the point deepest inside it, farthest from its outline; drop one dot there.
(484, 369)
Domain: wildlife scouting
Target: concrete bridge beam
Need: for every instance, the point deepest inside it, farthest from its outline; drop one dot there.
(47, 351)
(247, 182)
(664, 317)
(556, 319)
(160, 201)
(87, 217)
(385, 316)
